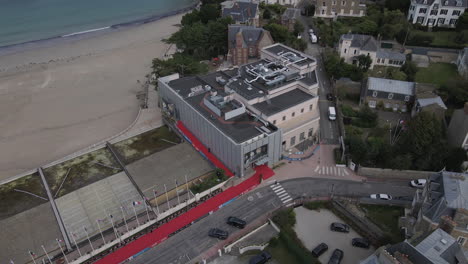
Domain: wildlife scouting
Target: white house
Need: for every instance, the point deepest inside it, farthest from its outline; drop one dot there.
(432, 13)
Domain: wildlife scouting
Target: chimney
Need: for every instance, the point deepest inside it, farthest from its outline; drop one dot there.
(465, 108)
(447, 224)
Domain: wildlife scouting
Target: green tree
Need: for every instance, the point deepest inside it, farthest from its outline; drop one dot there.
(298, 28)
(368, 27)
(462, 22)
(267, 14)
(364, 62)
(410, 69)
(357, 148)
(190, 18)
(455, 92)
(396, 74)
(209, 12)
(179, 63)
(279, 33)
(401, 5)
(455, 159)
(298, 44)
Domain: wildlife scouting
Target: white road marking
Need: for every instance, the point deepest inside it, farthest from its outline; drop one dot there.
(316, 169)
(274, 187)
(280, 192)
(283, 195)
(286, 201)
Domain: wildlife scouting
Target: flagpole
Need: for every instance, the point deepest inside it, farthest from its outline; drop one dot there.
(178, 200)
(89, 240)
(167, 198)
(156, 201)
(32, 256)
(100, 231)
(115, 232)
(74, 240)
(43, 248)
(125, 221)
(65, 256)
(146, 208)
(136, 216)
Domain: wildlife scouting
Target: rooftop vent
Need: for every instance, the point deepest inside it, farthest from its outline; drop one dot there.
(437, 248)
(220, 80)
(443, 241)
(207, 87)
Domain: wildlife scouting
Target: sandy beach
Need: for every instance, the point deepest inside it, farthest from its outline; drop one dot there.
(60, 99)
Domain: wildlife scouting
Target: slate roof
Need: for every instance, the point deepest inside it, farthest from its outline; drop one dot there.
(241, 12)
(455, 190)
(291, 13)
(413, 254)
(442, 2)
(424, 102)
(390, 86)
(251, 35)
(441, 248)
(391, 55)
(458, 128)
(364, 42)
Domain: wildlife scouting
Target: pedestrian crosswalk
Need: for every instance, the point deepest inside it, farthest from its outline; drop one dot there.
(331, 170)
(281, 193)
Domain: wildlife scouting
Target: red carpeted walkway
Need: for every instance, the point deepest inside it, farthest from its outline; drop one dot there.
(161, 233)
(199, 147)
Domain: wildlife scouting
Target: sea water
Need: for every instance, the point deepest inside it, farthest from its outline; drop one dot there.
(26, 21)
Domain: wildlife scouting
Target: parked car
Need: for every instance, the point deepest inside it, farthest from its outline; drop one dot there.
(381, 196)
(313, 38)
(330, 97)
(339, 227)
(319, 250)
(336, 257)
(419, 183)
(263, 257)
(331, 113)
(237, 222)
(299, 36)
(218, 233)
(360, 242)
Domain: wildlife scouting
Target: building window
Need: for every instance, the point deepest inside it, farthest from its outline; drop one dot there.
(343, 2)
(372, 104)
(352, 3)
(390, 96)
(420, 20)
(461, 240)
(390, 61)
(302, 110)
(422, 10)
(407, 98)
(334, 3)
(456, 12)
(284, 118)
(293, 114)
(311, 132)
(441, 21)
(345, 51)
(443, 11)
(453, 21)
(302, 136)
(378, 60)
(433, 12)
(323, 12)
(293, 141)
(355, 51)
(274, 122)
(383, 61)
(374, 94)
(310, 107)
(323, 3)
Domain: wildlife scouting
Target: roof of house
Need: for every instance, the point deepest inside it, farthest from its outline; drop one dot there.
(291, 13)
(456, 189)
(241, 11)
(441, 248)
(464, 3)
(424, 102)
(458, 128)
(251, 35)
(364, 42)
(391, 55)
(391, 86)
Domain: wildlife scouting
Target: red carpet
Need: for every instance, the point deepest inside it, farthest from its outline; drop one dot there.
(199, 147)
(160, 234)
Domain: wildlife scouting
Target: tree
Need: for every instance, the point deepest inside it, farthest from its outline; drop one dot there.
(266, 14)
(298, 44)
(357, 148)
(209, 13)
(462, 22)
(396, 74)
(455, 159)
(298, 28)
(179, 63)
(367, 27)
(279, 33)
(410, 69)
(401, 5)
(364, 62)
(190, 18)
(455, 92)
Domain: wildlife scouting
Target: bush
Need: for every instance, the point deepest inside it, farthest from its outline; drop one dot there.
(348, 111)
(315, 205)
(353, 131)
(285, 218)
(215, 178)
(337, 154)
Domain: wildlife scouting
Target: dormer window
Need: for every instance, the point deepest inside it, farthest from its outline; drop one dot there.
(446, 2)
(374, 94)
(390, 96)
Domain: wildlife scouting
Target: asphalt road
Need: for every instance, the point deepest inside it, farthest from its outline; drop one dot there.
(193, 241)
(329, 133)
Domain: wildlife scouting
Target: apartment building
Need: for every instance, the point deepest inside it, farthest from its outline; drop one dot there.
(436, 13)
(248, 115)
(335, 8)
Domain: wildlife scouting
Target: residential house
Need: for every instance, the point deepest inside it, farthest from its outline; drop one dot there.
(245, 13)
(335, 8)
(281, 2)
(437, 248)
(245, 42)
(391, 94)
(353, 45)
(248, 115)
(462, 63)
(436, 13)
(427, 101)
(289, 18)
(442, 203)
(458, 128)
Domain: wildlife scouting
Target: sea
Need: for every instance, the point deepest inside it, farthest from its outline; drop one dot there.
(26, 22)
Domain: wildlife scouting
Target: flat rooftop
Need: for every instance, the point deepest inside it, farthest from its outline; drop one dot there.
(295, 58)
(283, 102)
(240, 128)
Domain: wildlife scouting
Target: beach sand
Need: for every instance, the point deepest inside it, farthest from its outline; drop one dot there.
(60, 99)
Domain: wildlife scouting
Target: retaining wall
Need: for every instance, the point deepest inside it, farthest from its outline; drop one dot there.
(393, 174)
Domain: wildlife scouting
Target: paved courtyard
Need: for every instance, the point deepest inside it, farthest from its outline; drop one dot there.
(313, 227)
(96, 202)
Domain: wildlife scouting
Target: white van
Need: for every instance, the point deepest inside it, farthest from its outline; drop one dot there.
(313, 38)
(331, 113)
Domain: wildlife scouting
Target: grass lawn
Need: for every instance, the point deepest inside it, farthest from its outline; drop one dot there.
(437, 73)
(441, 38)
(13, 202)
(386, 217)
(143, 145)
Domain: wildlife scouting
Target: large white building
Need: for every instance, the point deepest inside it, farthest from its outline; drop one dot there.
(432, 13)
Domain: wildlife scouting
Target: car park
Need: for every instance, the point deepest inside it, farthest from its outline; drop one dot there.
(419, 183)
(381, 196)
(262, 258)
(339, 227)
(360, 242)
(319, 250)
(336, 257)
(237, 222)
(218, 233)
